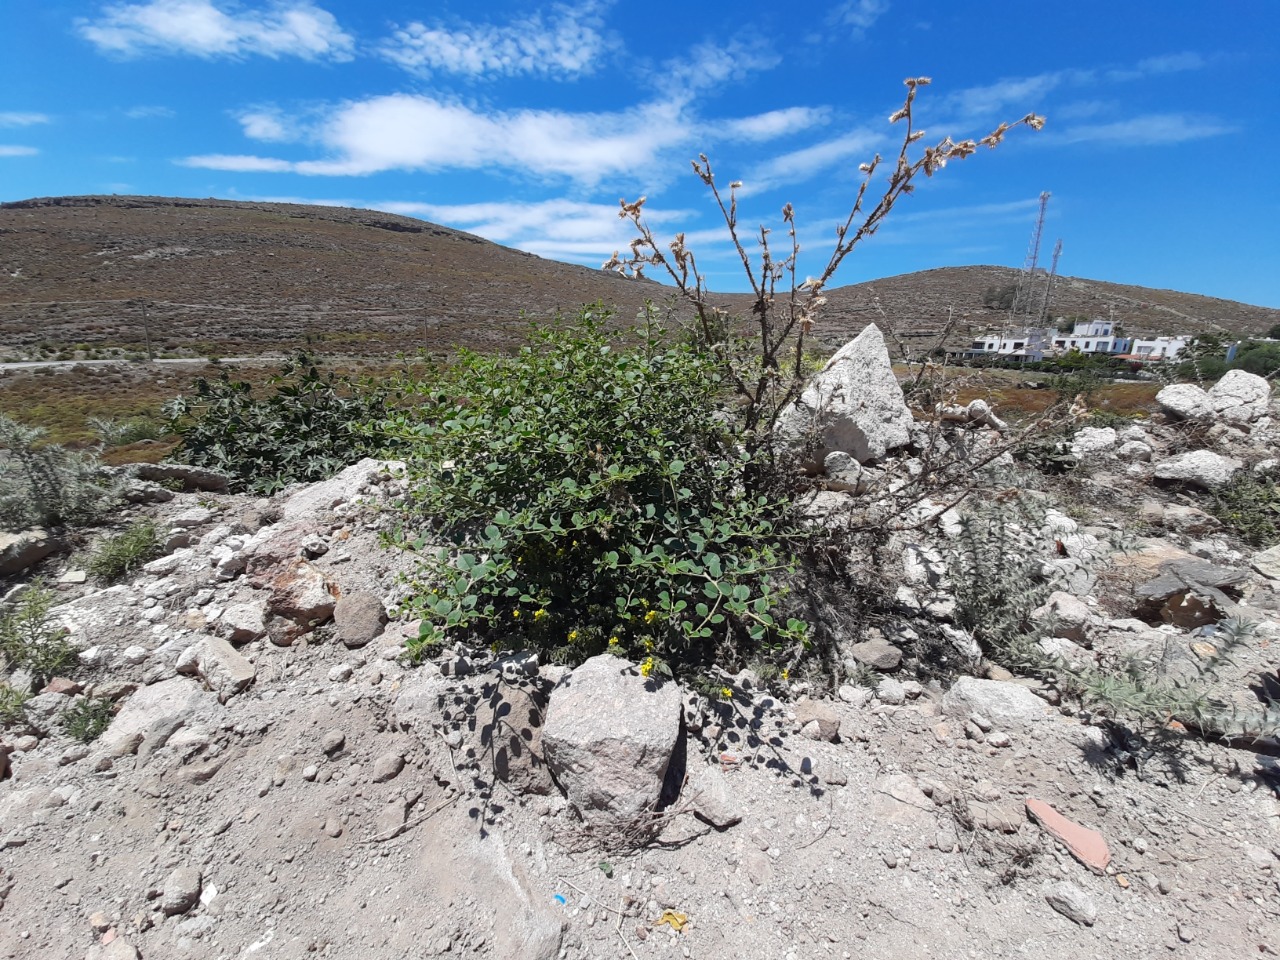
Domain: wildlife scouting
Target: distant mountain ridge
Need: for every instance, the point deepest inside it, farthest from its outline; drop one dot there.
(248, 277)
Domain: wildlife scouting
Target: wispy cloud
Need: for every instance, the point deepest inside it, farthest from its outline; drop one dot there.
(205, 28)
(858, 15)
(405, 132)
(712, 64)
(238, 163)
(12, 150)
(773, 124)
(852, 148)
(1153, 129)
(569, 42)
(1156, 66)
(18, 119)
(147, 112)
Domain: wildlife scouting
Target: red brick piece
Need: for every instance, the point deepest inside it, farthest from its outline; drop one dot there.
(1085, 845)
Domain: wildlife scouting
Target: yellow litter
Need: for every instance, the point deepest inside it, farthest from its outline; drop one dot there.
(678, 921)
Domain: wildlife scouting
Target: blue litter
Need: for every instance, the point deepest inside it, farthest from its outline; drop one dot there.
(559, 898)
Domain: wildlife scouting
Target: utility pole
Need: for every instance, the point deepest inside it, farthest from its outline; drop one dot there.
(146, 330)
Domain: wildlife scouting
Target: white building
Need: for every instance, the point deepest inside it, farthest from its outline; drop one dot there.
(1157, 348)
(1090, 336)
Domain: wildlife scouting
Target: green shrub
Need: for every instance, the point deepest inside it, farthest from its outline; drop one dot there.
(30, 639)
(12, 706)
(88, 718)
(120, 554)
(117, 433)
(592, 498)
(308, 427)
(1250, 506)
(43, 484)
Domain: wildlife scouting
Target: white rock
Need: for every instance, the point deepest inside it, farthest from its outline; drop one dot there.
(608, 737)
(1090, 442)
(1185, 401)
(1072, 902)
(222, 669)
(1267, 563)
(1240, 396)
(1200, 468)
(854, 404)
(1136, 450)
(1070, 616)
(1004, 703)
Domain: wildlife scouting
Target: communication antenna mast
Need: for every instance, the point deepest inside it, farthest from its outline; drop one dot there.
(1048, 287)
(1022, 292)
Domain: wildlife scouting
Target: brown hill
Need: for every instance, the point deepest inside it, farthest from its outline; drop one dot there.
(228, 278)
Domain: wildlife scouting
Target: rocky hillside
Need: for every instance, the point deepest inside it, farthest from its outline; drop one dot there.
(241, 279)
(272, 777)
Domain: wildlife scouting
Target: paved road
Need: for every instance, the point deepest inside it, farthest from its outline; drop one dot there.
(35, 364)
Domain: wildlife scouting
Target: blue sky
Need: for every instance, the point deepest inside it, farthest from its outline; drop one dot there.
(527, 122)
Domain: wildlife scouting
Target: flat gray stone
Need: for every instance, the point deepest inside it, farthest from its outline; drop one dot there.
(1072, 902)
(1005, 704)
(1199, 468)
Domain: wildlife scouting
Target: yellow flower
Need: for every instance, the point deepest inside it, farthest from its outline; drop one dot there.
(646, 668)
(651, 616)
(539, 614)
(786, 674)
(726, 693)
(613, 641)
(573, 635)
(515, 614)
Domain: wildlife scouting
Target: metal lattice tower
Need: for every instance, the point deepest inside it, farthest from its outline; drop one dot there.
(1022, 292)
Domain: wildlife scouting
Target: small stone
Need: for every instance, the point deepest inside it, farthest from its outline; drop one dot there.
(333, 827)
(100, 922)
(998, 738)
(310, 772)
(341, 673)
(333, 742)
(387, 767)
(1072, 902)
(817, 720)
(879, 654)
(181, 891)
(891, 692)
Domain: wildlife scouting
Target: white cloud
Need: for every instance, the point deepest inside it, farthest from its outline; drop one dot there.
(149, 113)
(10, 150)
(712, 64)
(1153, 129)
(267, 123)
(1156, 66)
(1019, 94)
(17, 119)
(404, 132)
(237, 163)
(568, 42)
(773, 124)
(853, 148)
(209, 29)
(860, 15)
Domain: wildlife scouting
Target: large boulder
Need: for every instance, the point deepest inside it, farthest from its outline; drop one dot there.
(21, 550)
(1184, 401)
(1091, 443)
(853, 405)
(1240, 396)
(1199, 468)
(609, 737)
